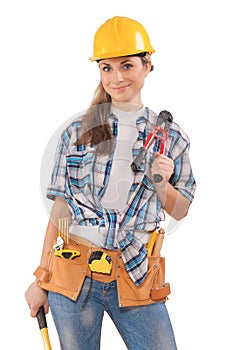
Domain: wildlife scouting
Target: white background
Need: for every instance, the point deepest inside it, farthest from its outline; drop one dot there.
(46, 78)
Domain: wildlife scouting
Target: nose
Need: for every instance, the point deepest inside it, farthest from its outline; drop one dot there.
(118, 76)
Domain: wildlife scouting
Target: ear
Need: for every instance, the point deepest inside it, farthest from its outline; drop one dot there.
(148, 68)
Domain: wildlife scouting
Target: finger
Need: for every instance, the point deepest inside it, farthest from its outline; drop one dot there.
(34, 311)
(46, 307)
(161, 158)
(164, 161)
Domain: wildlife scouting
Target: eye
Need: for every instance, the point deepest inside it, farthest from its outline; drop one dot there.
(106, 69)
(127, 66)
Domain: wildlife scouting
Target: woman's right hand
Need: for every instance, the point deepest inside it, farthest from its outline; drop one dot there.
(36, 297)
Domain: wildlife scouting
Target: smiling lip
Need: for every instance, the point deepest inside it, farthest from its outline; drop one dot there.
(120, 88)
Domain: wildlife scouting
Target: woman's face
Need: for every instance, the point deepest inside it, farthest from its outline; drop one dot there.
(123, 78)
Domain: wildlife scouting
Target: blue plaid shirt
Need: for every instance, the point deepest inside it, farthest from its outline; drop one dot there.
(81, 177)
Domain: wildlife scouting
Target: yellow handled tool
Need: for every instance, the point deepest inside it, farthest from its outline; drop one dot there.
(41, 318)
(151, 243)
(69, 254)
(154, 245)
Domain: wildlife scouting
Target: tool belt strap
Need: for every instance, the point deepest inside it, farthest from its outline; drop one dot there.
(41, 274)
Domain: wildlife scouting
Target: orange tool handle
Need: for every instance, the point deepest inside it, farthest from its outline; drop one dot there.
(159, 242)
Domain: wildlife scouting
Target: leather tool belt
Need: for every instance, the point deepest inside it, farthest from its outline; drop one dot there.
(67, 276)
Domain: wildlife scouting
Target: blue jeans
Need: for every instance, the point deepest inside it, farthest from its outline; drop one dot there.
(79, 327)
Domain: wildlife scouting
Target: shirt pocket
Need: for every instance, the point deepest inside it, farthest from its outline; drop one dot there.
(79, 163)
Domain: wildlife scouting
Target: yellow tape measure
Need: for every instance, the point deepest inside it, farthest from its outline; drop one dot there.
(100, 262)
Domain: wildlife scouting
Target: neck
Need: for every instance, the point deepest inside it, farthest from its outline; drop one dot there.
(127, 107)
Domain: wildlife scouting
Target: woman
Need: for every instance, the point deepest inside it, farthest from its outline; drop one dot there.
(113, 210)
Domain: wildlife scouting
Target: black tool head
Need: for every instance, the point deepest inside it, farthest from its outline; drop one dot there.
(165, 117)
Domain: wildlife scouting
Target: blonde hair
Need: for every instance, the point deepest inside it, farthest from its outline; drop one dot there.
(95, 126)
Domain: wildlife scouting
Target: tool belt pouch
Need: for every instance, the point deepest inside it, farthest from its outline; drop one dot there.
(66, 276)
(152, 290)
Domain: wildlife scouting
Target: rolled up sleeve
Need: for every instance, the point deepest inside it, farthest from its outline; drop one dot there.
(183, 178)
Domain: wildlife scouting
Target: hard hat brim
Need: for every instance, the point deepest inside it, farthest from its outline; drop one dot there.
(118, 54)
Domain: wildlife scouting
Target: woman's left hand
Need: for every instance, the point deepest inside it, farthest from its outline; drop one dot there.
(162, 165)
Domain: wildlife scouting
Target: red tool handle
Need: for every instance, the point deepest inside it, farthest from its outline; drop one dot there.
(149, 140)
(162, 147)
(162, 135)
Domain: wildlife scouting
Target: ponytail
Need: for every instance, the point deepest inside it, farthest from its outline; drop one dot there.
(95, 126)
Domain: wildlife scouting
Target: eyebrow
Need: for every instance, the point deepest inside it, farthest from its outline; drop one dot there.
(108, 64)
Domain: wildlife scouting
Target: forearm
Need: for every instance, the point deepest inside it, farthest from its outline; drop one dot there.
(35, 295)
(49, 240)
(60, 209)
(173, 202)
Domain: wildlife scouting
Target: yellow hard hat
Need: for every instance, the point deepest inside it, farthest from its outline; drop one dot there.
(120, 36)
